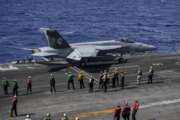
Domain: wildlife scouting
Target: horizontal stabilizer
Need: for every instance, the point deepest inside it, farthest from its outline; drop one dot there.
(43, 54)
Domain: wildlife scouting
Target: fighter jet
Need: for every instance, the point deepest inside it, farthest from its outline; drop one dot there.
(85, 52)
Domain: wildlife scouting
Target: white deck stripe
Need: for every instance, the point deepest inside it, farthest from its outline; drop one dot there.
(165, 102)
(123, 67)
(131, 66)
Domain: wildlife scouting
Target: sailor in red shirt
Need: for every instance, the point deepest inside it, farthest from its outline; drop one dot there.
(14, 105)
(135, 108)
(100, 80)
(29, 84)
(117, 113)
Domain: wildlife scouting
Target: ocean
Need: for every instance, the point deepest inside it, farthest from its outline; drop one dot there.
(155, 22)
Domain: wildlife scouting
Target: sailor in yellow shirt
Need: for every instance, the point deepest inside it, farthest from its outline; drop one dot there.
(81, 80)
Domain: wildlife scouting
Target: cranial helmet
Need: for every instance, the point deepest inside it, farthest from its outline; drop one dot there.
(27, 116)
(48, 114)
(64, 115)
(76, 118)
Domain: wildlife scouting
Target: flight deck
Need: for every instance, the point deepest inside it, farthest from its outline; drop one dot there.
(159, 101)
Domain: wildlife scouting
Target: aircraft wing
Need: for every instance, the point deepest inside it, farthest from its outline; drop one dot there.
(109, 47)
(89, 51)
(44, 54)
(83, 51)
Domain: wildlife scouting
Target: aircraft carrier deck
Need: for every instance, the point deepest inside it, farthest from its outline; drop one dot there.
(159, 101)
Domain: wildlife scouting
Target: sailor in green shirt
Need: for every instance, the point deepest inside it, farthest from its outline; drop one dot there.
(113, 78)
(70, 80)
(5, 84)
(15, 88)
(122, 80)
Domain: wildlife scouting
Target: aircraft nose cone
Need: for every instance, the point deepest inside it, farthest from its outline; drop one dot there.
(151, 47)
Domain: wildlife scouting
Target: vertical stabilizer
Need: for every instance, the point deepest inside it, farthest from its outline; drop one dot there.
(55, 40)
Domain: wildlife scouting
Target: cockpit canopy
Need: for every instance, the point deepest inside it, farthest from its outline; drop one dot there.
(127, 41)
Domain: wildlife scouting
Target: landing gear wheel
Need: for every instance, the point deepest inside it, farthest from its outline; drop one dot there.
(83, 63)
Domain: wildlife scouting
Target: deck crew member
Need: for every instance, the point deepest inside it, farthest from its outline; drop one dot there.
(150, 75)
(122, 80)
(91, 84)
(15, 88)
(48, 117)
(29, 84)
(135, 108)
(126, 111)
(70, 80)
(139, 76)
(117, 75)
(65, 117)
(14, 106)
(81, 80)
(117, 113)
(105, 79)
(52, 83)
(100, 80)
(5, 84)
(113, 80)
(109, 77)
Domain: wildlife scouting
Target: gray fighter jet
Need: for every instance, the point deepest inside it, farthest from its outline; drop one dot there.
(85, 52)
